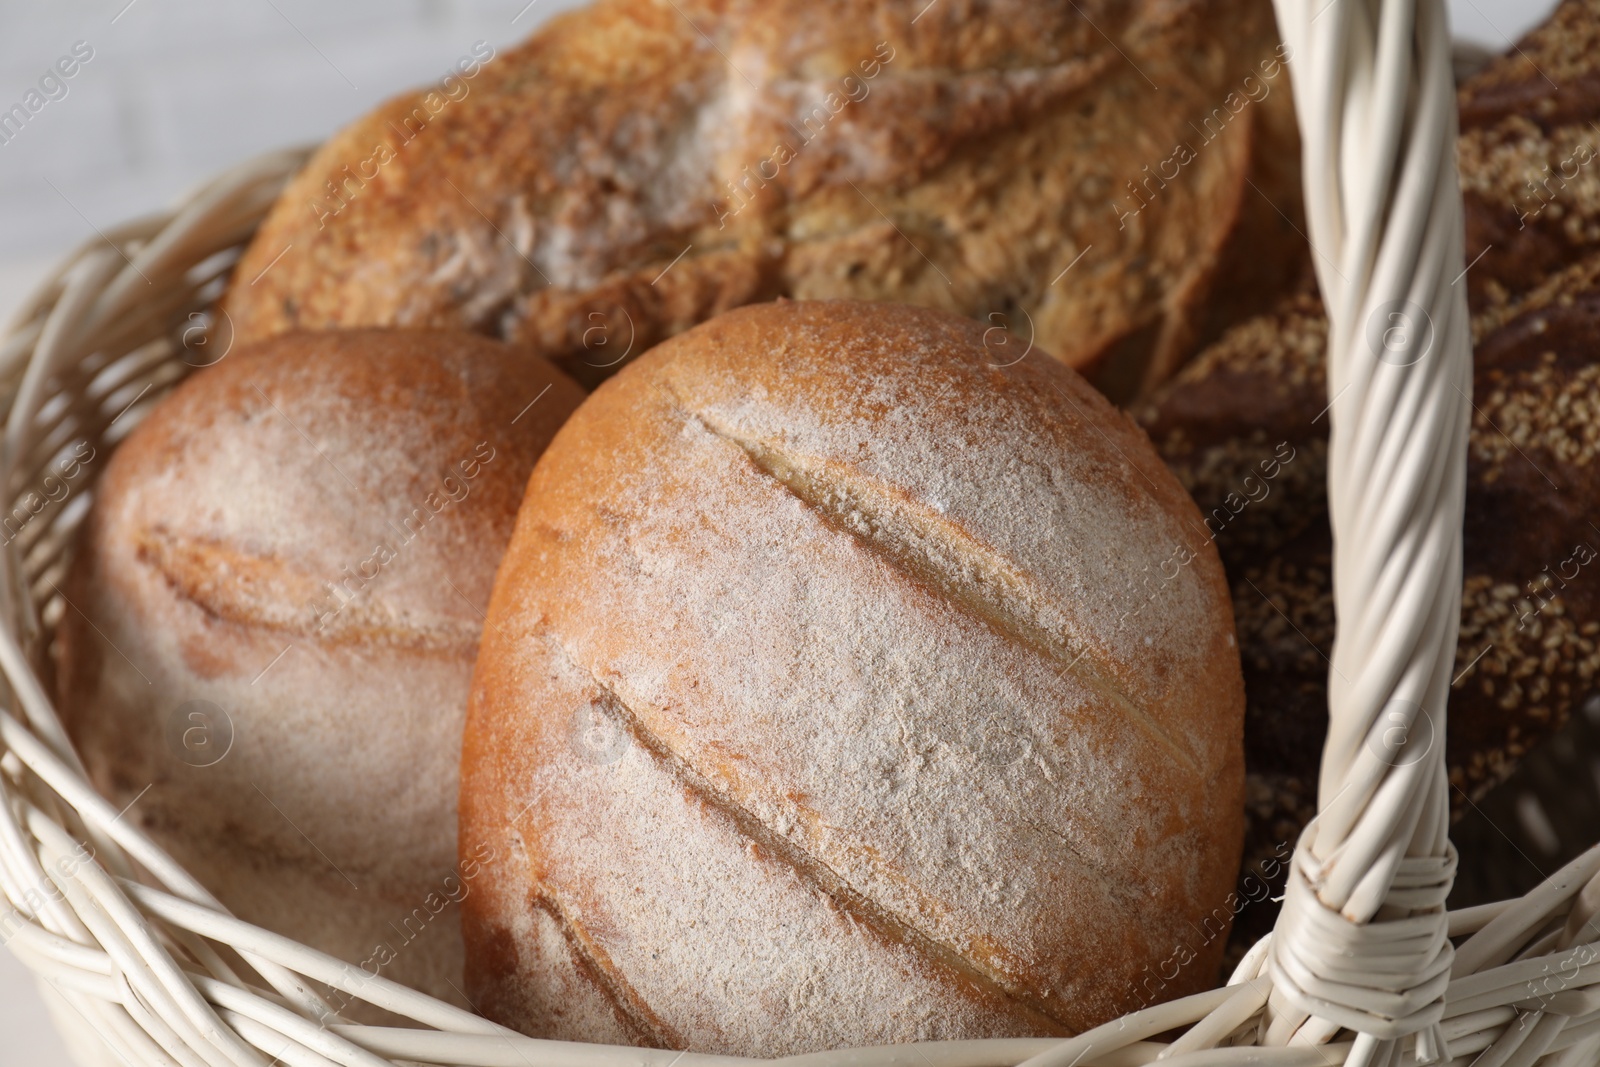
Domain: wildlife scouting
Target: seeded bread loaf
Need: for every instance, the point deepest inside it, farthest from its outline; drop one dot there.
(1530, 155)
(1245, 427)
(1242, 427)
(273, 619)
(1111, 180)
(842, 687)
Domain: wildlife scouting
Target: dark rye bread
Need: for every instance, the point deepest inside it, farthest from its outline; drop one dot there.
(1532, 196)
(638, 166)
(1530, 155)
(1243, 427)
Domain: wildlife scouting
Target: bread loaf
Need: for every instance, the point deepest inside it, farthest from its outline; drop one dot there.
(1245, 428)
(1530, 156)
(273, 617)
(842, 686)
(1530, 614)
(1113, 180)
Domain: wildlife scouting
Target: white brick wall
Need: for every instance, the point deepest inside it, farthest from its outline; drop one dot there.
(179, 89)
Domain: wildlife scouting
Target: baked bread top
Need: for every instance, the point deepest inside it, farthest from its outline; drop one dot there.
(314, 512)
(637, 166)
(900, 654)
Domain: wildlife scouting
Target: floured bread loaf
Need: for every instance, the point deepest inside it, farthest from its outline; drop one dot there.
(640, 165)
(843, 687)
(274, 615)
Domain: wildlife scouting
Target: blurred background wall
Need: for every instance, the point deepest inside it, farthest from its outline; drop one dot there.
(175, 90)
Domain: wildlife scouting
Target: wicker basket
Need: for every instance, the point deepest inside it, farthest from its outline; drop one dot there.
(1365, 967)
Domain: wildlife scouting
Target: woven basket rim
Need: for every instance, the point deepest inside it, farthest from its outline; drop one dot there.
(126, 942)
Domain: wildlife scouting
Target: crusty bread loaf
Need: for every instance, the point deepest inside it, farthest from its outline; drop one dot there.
(273, 618)
(640, 165)
(1530, 614)
(842, 687)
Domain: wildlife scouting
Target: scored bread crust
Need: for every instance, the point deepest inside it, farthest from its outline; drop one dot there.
(835, 691)
(315, 791)
(638, 166)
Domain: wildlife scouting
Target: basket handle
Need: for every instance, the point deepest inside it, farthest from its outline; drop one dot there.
(1361, 941)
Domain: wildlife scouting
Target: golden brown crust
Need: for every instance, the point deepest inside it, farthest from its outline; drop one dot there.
(886, 687)
(273, 617)
(641, 165)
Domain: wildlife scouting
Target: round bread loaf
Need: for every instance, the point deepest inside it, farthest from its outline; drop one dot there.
(844, 686)
(273, 616)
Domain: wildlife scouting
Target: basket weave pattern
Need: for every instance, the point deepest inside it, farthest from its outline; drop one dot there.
(147, 968)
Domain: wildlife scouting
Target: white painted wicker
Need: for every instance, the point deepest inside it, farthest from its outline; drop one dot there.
(1361, 968)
